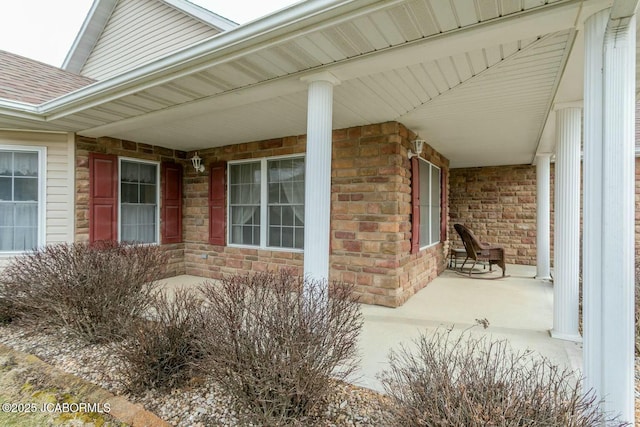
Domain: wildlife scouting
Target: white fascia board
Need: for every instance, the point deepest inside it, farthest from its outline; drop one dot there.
(276, 28)
(202, 14)
(286, 24)
(10, 106)
(88, 35)
(12, 112)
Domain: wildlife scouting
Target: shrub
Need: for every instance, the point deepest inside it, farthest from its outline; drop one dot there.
(163, 351)
(6, 310)
(469, 381)
(276, 342)
(92, 290)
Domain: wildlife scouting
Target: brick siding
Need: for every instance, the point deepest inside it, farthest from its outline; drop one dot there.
(499, 205)
(371, 215)
(370, 211)
(84, 146)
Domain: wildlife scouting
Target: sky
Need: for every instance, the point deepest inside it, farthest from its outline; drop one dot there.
(44, 30)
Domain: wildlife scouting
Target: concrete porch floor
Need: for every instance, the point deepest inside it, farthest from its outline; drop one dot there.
(519, 308)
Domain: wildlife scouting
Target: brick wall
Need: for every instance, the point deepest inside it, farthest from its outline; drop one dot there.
(370, 215)
(499, 205)
(371, 207)
(370, 211)
(84, 146)
(212, 261)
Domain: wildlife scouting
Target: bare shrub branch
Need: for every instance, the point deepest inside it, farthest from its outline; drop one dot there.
(91, 290)
(165, 350)
(470, 381)
(275, 346)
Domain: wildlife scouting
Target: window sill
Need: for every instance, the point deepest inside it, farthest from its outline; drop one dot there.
(430, 246)
(266, 248)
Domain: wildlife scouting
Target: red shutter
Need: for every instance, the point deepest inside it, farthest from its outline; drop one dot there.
(415, 205)
(216, 203)
(444, 205)
(103, 197)
(171, 202)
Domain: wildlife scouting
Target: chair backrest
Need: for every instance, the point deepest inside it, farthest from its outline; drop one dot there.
(470, 242)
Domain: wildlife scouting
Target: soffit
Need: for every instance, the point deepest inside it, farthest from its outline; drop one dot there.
(422, 62)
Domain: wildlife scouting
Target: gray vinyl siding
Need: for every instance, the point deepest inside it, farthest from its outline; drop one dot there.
(138, 32)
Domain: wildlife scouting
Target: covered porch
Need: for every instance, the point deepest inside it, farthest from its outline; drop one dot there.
(519, 308)
(485, 83)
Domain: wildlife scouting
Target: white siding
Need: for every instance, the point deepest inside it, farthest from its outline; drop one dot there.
(138, 32)
(60, 193)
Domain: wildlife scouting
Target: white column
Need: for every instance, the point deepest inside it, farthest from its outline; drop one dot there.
(317, 206)
(566, 258)
(608, 255)
(543, 213)
(594, 28)
(618, 207)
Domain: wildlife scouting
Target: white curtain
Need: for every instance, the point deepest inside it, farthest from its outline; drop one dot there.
(19, 210)
(129, 172)
(6, 163)
(138, 210)
(138, 223)
(25, 164)
(286, 199)
(246, 201)
(18, 226)
(291, 177)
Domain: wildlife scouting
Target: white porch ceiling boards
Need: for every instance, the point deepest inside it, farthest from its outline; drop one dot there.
(496, 117)
(421, 62)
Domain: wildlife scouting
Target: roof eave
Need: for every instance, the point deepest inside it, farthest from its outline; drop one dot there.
(202, 14)
(252, 36)
(88, 35)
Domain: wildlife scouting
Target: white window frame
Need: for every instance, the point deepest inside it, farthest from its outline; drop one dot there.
(264, 207)
(437, 240)
(150, 162)
(42, 192)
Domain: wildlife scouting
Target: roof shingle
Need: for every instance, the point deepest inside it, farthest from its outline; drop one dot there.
(25, 80)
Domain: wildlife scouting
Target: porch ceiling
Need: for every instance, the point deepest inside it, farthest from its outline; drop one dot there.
(477, 79)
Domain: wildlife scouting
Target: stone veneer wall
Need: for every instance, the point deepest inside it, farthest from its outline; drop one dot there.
(216, 262)
(370, 215)
(499, 205)
(123, 148)
(417, 270)
(370, 211)
(371, 221)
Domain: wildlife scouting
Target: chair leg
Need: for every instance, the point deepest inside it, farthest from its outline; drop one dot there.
(465, 261)
(472, 267)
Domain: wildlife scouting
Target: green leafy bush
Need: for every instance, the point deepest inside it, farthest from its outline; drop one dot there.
(469, 381)
(93, 291)
(276, 341)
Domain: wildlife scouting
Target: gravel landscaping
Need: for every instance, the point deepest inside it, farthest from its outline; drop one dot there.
(199, 404)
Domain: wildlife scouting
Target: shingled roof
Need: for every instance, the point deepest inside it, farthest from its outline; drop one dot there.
(25, 80)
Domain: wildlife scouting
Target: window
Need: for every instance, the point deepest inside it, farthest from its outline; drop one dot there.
(139, 194)
(429, 204)
(244, 201)
(266, 203)
(21, 198)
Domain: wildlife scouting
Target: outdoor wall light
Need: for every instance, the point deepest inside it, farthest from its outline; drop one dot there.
(196, 161)
(418, 145)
